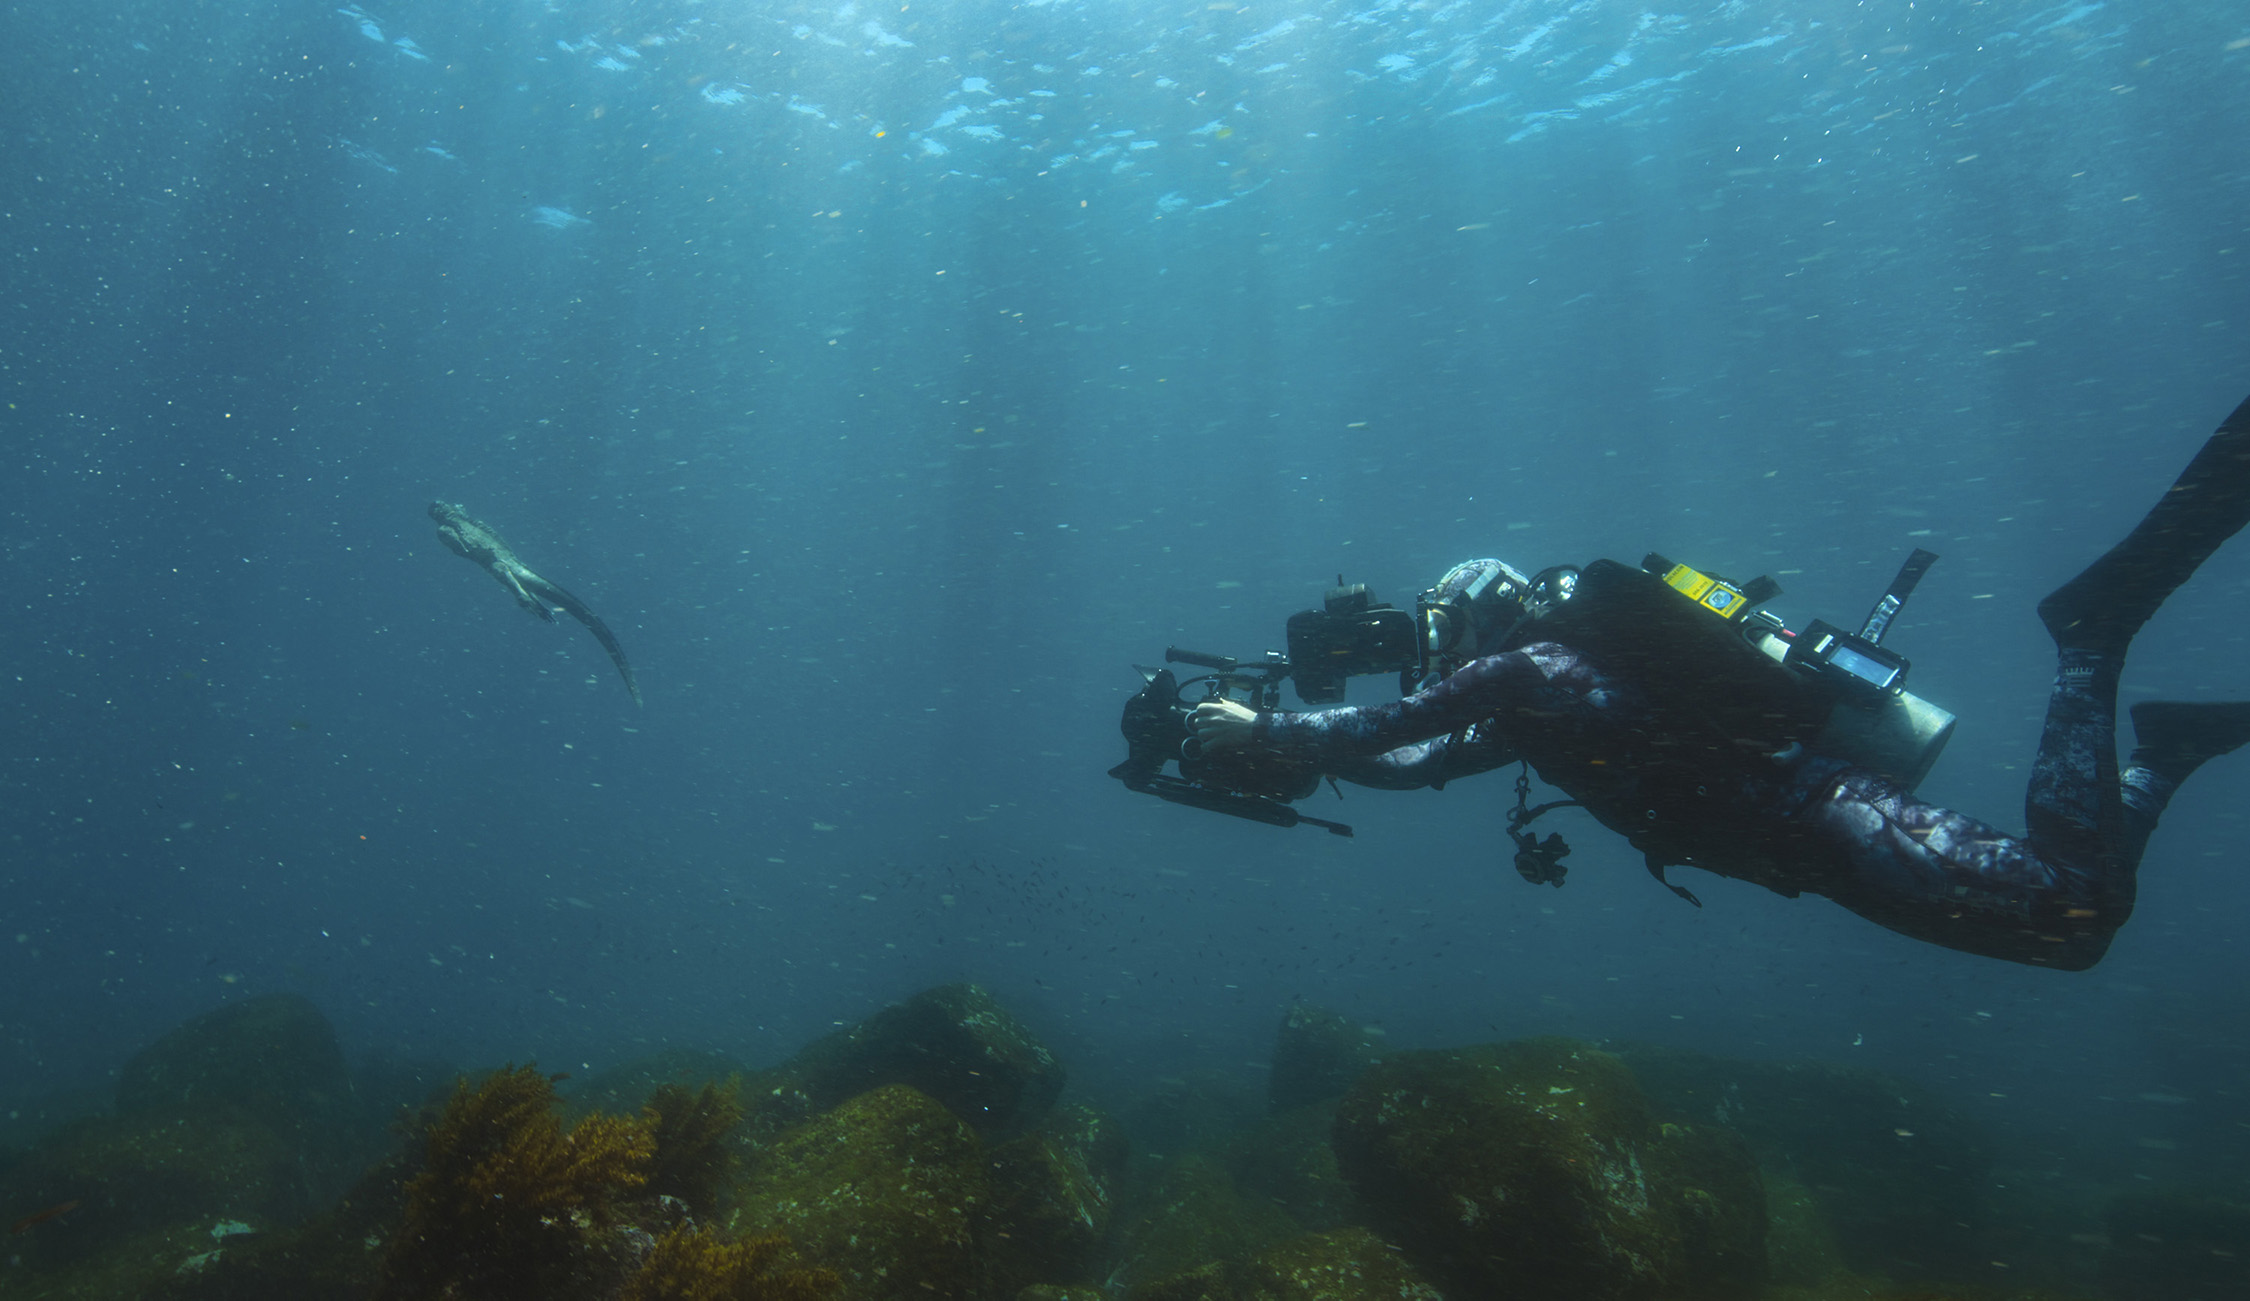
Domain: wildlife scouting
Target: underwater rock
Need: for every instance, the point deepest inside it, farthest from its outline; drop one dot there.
(1190, 1214)
(274, 1057)
(1346, 1265)
(1897, 1173)
(954, 1044)
(1287, 1160)
(147, 1172)
(1050, 1212)
(1800, 1243)
(275, 1054)
(231, 1126)
(885, 1189)
(1316, 1055)
(2176, 1246)
(1093, 1136)
(1535, 1171)
(1049, 1292)
(334, 1256)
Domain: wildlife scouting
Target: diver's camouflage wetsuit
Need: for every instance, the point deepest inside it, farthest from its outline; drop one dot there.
(1798, 821)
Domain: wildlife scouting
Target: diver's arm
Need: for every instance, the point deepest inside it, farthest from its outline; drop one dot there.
(1475, 692)
(1223, 724)
(1430, 763)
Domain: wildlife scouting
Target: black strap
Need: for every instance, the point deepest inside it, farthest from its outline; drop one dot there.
(1909, 574)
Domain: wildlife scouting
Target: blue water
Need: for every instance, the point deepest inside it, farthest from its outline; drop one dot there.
(892, 378)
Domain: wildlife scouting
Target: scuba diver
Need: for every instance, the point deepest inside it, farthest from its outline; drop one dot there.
(1705, 761)
(475, 541)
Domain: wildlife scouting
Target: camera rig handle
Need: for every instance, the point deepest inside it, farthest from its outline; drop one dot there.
(1259, 684)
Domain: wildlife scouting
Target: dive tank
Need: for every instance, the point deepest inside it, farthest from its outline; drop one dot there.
(1892, 732)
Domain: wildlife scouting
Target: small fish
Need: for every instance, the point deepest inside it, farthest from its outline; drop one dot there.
(37, 1218)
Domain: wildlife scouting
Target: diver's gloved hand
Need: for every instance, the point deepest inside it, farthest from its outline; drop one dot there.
(1221, 724)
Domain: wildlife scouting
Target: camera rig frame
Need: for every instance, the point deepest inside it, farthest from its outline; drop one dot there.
(1245, 784)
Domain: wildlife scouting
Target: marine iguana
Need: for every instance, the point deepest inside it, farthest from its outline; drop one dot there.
(475, 541)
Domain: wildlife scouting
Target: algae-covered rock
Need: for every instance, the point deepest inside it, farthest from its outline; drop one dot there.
(1316, 1055)
(1345, 1265)
(334, 1256)
(1190, 1214)
(276, 1058)
(1287, 1160)
(886, 1189)
(1054, 1194)
(1721, 1198)
(1898, 1174)
(1800, 1244)
(1093, 1136)
(954, 1044)
(147, 1172)
(1050, 1292)
(1856, 1287)
(1050, 1213)
(1535, 1171)
(136, 1267)
(2176, 1246)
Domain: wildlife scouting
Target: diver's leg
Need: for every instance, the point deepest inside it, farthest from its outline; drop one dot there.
(1947, 878)
(2073, 806)
(2057, 896)
(2054, 898)
(2072, 803)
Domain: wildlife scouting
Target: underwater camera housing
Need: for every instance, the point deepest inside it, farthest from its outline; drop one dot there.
(1352, 633)
(1244, 783)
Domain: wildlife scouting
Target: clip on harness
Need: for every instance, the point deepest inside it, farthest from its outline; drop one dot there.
(1537, 861)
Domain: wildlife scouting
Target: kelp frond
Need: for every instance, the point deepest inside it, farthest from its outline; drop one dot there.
(691, 1160)
(506, 1198)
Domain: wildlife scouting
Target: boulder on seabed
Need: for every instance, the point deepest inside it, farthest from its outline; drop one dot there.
(1186, 1213)
(1345, 1265)
(1317, 1053)
(1535, 1171)
(1898, 1175)
(241, 1119)
(954, 1044)
(885, 1189)
(1286, 1159)
(1053, 1195)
